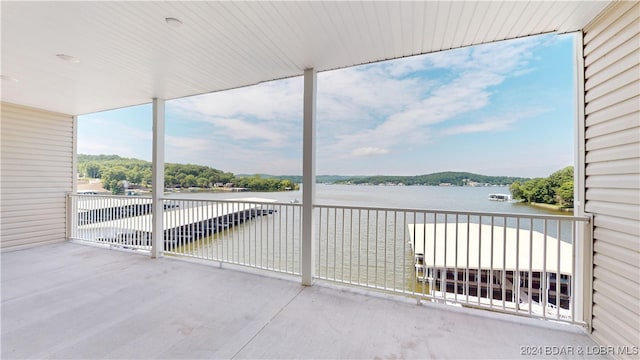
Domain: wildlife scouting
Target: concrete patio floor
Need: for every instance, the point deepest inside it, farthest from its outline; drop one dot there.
(73, 301)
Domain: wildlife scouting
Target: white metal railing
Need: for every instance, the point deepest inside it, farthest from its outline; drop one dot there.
(113, 220)
(504, 262)
(257, 234)
(516, 263)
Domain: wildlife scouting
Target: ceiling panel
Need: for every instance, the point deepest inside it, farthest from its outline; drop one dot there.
(128, 54)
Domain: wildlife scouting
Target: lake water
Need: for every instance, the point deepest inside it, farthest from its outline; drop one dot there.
(406, 197)
(355, 246)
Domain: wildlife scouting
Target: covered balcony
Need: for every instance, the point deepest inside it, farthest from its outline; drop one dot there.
(75, 301)
(158, 277)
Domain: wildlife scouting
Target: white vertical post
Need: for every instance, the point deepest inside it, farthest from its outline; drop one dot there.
(157, 169)
(308, 177)
(74, 177)
(583, 241)
(74, 156)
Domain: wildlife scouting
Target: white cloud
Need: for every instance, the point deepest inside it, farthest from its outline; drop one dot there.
(474, 71)
(363, 112)
(240, 129)
(180, 149)
(97, 136)
(369, 151)
(493, 123)
(272, 101)
(387, 104)
(484, 126)
(364, 94)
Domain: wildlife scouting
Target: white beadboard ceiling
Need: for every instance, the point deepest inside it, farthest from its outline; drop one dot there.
(128, 54)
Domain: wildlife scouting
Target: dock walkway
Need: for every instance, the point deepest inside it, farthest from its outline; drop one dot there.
(182, 222)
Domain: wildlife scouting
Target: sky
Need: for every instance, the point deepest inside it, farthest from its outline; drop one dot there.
(504, 109)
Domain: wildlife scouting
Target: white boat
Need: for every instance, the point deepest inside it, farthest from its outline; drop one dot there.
(499, 197)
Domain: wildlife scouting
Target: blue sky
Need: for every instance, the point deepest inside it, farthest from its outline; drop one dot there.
(505, 108)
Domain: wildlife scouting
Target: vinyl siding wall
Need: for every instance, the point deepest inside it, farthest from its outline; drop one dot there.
(612, 134)
(37, 171)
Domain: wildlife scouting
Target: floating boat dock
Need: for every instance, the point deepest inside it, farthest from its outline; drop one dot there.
(492, 262)
(181, 224)
(95, 209)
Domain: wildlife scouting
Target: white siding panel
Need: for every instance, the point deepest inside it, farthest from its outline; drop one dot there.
(607, 283)
(628, 107)
(595, 29)
(614, 265)
(616, 223)
(616, 35)
(621, 196)
(612, 153)
(619, 67)
(630, 47)
(614, 182)
(628, 91)
(628, 136)
(625, 166)
(626, 211)
(37, 172)
(609, 317)
(612, 142)
(623, 257)
(622, 123)
(623, 78)
(619, 238)
(626, 316)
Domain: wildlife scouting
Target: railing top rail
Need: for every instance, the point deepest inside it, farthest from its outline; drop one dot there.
(429, 211)
(461, 212)
(72, 194)
(232, 201)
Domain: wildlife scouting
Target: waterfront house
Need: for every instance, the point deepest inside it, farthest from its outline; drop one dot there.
(64, 59)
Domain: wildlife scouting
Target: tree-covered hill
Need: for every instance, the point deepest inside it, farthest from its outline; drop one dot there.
(320, 179)
(115, 171)
(441, 178)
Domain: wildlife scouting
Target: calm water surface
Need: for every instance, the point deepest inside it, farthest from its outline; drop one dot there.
(406, 197)
(376, 254)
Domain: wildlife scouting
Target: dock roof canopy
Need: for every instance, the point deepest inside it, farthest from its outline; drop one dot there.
(83, 57)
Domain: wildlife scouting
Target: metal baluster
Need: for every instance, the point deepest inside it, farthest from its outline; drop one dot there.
(503, 279)
(558, 275)
(544, 281)
(480, 271)
(335, 236)
(490, 277)
(530, 279)
(516, 272)
(455, 264)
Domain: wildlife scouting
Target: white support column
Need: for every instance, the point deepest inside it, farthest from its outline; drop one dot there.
(308, 177)
(583, 252)
(157, 169)
(74, 156)
(74, 178)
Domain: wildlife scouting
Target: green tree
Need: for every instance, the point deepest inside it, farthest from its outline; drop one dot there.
(516, 191)
(113, 169)
(560, 177)
(112, 176)
(565, 194)
(556, 189)
(92, 170)
(202, 182)
(189, 181)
